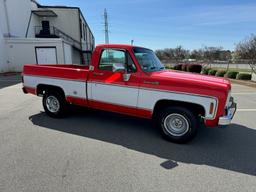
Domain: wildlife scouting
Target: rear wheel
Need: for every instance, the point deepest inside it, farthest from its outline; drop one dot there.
(54, 104)
(178, 124)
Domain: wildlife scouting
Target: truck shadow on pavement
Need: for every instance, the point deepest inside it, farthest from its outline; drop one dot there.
(232, 148)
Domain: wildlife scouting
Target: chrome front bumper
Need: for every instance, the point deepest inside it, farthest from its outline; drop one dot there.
(230, 111)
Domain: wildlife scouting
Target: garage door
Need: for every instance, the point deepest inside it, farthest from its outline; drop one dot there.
(46, 55)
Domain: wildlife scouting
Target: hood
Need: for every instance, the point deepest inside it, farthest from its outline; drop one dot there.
(191, 78)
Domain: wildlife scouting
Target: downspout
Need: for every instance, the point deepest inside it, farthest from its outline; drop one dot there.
(81, 34)
(63, 49)
(7, 19)
(28, 24)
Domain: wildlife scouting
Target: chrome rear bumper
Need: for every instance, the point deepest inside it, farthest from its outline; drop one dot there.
(231, 110)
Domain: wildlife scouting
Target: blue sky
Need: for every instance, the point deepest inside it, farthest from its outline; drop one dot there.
(160, 24)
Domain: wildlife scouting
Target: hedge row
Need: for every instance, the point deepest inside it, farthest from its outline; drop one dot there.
(188, 68)
(212, 72)
(244, 76)
(205, 71)
(221, 73)
(229, 74)
(194, 68)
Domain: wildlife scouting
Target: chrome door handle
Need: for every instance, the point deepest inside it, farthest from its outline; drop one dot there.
(98, 74)
(151, 82)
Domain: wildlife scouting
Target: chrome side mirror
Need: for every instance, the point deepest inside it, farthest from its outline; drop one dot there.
(118, 67)
(126, 77)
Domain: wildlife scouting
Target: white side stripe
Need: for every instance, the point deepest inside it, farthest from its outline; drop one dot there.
(70, 88)
(122, 95)
(148, 99)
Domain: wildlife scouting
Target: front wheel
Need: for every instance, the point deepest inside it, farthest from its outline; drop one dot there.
(54, 104)
(178, 124)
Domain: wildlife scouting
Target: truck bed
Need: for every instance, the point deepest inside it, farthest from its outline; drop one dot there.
(71, 72)
(71, 79)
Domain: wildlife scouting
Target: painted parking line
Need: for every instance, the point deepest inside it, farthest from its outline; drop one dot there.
(245, 93)
(246, 110)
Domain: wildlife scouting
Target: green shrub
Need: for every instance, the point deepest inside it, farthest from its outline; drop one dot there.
(206, 70)
(212, 72)
(194, 68)
(184, 67)
(177, 67)
(169, 67)
(231, 74)
(221, 73)
(244, 76)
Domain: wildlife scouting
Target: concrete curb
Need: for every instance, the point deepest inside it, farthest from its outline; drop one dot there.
(246, 83)
(9, 74)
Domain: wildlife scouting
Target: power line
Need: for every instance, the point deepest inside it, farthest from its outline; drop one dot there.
(106, 26)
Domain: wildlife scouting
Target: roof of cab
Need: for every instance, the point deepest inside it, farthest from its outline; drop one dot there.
(119, 46)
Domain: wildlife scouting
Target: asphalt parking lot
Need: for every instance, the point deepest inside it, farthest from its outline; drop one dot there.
(99, 151)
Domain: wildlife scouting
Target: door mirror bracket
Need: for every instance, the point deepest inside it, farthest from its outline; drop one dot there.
(119, 67)
(126, 77)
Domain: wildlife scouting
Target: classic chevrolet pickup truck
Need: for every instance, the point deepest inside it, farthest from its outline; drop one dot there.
(131, 80)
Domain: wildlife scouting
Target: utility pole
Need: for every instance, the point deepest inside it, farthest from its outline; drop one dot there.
(106, 26)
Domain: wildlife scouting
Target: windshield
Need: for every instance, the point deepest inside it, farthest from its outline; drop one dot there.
(148, 60)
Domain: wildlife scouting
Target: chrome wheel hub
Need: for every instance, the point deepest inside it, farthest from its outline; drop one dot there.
(52, 104)
(176, 125)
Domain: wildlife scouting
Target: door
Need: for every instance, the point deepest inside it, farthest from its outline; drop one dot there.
(68, 53)
(46, 55)
(45, 28)
(117, 91)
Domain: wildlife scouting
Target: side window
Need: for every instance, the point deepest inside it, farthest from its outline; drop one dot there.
(110, 57)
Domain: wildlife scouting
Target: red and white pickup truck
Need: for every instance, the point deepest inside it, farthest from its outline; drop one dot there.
(131, 80)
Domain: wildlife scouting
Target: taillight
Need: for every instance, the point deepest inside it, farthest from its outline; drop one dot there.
(228, 98)
(211, 111)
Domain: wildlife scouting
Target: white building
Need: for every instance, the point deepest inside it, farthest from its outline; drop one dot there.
(33, 33)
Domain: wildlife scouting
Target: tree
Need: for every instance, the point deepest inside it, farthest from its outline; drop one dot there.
(212, 53)
(177, 54)
(180, 53)
(160, 54)
(207, 54)
(168, 53)
(246, 49)
(225, 55)
(197, 54)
